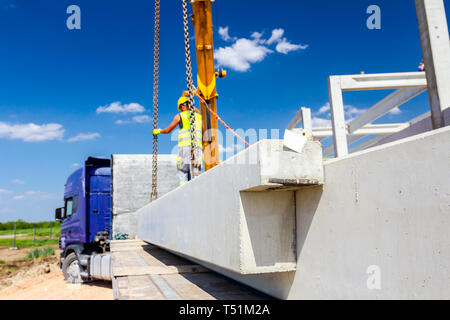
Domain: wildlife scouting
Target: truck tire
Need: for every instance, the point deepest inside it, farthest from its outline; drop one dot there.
(71, 269)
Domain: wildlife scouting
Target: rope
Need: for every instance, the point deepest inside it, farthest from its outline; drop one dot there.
(219, 119)
(154, 194)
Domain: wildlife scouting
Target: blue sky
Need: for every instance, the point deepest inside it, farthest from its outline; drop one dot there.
(278, 54)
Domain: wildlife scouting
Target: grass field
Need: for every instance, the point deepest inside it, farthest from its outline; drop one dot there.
(40, 232)
(26, 231)
(27, 243)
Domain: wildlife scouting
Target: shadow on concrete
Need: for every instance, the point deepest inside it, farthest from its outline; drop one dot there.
(223, 288)
(270, 224)
(214, 284)
(306, 202)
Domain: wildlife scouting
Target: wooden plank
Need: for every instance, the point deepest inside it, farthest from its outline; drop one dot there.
(147, 272)
(137, 270)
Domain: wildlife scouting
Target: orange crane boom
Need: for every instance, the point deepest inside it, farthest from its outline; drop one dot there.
(206, 78)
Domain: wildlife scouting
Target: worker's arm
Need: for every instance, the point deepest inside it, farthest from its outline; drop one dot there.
(169, 129)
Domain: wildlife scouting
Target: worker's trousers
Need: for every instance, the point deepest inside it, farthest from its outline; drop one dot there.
(184, 164)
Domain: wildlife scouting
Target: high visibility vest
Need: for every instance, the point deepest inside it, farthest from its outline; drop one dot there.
(184, 136)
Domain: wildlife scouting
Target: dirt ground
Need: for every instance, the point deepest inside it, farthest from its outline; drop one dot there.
(9, 255)
(10, 236)
(41, 279)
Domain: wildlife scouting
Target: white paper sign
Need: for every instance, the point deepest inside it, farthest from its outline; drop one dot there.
(294, 141)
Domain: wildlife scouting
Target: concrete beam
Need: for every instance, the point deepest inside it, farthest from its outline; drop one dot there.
(307, 121)
(435, 41)
(356, 221)
(233, 216)
(337, 116)
(380, 81)
(392, 101)
(132, 185)
(304, 115)
(369, 129)
(295, 120)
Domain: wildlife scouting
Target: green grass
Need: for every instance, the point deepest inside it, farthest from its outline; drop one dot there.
(37, 253)
(40, 232)
(2, 262)
(20, 224)
(27, 243)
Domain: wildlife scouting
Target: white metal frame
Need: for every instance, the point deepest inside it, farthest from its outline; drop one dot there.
(409, 85)
(435, 43)
(303, 115)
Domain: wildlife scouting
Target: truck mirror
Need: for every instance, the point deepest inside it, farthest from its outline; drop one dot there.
(59, 214)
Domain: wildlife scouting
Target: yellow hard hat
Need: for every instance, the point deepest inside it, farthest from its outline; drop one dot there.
(181, 101)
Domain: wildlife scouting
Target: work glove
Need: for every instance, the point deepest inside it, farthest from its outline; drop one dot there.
(197, 164)
(198, 159)
(156, 132)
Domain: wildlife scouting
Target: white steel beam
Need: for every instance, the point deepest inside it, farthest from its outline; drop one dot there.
(337, 116)
(369, 129)
(382, 81)
(392, 101)
(434, 38)
(304, 115)
(381, 130)
(322, 132)
(295, 120)
(307, 122)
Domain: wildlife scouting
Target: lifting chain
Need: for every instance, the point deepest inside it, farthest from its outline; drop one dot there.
(190, 85)
(154, 194)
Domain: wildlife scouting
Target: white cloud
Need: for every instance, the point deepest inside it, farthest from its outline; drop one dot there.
(31, 132)
(239, 56)
(84, 137)
(320, 122)
(324, 109)
(224, 34)
(136, 119)
(75, 165)
(318, 119)
(4, 191)
(277, 34)
(243, 52)
(117, 107)
(395, 111)
(284, 46)
(351, 112)
(257, 35)
(17, 181)
(5, 210)
(141, 119)
(34, 195)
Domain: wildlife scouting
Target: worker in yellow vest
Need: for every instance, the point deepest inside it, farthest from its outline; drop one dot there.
(184, 140)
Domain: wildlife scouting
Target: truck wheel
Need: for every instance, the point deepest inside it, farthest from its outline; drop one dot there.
(71, 269)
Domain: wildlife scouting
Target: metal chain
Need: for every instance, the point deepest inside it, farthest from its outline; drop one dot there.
(190, 83)
(154, 194)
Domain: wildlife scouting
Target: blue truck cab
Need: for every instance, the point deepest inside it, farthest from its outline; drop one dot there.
(86, 218)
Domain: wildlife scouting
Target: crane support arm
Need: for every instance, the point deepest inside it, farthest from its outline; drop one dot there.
(206, 77)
